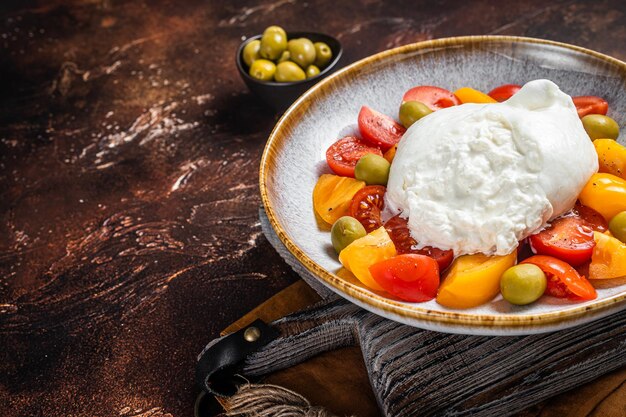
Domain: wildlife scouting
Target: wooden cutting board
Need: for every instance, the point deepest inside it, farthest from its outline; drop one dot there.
(418, 372)
(338, 379)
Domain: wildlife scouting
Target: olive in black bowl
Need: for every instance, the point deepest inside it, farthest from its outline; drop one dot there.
(280, 95)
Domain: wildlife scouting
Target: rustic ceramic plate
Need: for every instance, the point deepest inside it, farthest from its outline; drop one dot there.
(295, 157)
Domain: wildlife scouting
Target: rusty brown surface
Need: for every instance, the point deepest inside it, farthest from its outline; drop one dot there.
(129, 151)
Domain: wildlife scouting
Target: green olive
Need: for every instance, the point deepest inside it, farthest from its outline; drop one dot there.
(617, 226)
(345, 231)
(412, 111)
(275, 28)
(323, 54)
(251, 52)
(285, 56)
(523, 284)
(302, 51)
(373, 169)
(288, 71)
(312, 71)
(263, 70)
(273, 43)
(600, 127)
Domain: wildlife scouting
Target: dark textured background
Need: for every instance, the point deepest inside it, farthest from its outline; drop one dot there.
(129, 151)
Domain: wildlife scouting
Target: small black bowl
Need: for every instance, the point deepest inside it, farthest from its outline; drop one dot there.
(281, 95)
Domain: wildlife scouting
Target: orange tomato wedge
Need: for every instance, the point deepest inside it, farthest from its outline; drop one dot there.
(608, 259)
(605, 193)
(358, 256)
(332, 196)
(611, 157)
(473, 280)
(469, 95)
(391, 153)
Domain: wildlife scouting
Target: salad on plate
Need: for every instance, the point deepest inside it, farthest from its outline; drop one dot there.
(519, 192)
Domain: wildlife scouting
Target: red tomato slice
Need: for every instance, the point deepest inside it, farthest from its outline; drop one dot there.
(590, 105)
(504, 92)
(569, 238)
(410, 277)
(563, 280)
(378, 129)
(434, 97)
(399, 233)
(343, 155)
(366, 206)
(591, 217)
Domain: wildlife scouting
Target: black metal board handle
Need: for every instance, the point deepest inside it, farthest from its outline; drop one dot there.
(221, 360)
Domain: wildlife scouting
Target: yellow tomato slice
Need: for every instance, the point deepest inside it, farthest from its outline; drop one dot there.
(469, 95)
(358, 256)
(611, 157)
(605, 193)
(473, 280)
(391, 153)
(332, 196)
(608, 259)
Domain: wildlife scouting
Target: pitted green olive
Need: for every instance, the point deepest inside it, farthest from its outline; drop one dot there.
(412, 111)
(251, 52)
(600, 127)
(263, 70)
(285, 56)
(523, 284)
(617, 226)
(373, 169)
(275, 28)
(273, 43)
(289, 72)
(302, 51)
(345, 231)
(323, 54)
(312, 71)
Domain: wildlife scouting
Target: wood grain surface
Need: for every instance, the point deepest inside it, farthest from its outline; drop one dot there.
(129, 153)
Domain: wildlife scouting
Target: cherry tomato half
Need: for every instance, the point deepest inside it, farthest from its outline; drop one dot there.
(591, 217)
(504, 92)
(434, 97)
(563, 280)
(568, 238)
(410, 277)
(378, 129)
(590, 105)
(366, 206)
(399, 233)
(343, 155)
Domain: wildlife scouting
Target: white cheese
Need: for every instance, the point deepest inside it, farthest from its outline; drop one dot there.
(480, 177)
